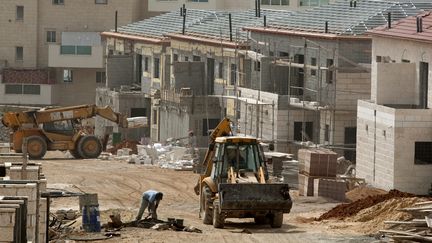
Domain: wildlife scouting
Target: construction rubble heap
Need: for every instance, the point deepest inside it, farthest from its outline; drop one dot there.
(164, 156)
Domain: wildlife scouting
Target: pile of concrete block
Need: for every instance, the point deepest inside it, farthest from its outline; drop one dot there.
(23, 212)
(317, 174)
(275, 162)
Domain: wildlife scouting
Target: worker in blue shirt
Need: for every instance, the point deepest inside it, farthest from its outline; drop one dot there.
(150, 200)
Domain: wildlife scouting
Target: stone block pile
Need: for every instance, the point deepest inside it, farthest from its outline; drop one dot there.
(23, 212)
(317, 174)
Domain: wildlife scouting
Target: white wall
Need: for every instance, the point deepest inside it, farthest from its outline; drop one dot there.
(386, 144)
(95, 60)
(44, 98)
(397, 50)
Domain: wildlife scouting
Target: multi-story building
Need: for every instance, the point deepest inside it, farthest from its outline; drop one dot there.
(170, 5)
(321, 59)
(51, 52)
(394, 127)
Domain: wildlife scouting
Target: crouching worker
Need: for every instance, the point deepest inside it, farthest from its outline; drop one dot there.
(150, 200)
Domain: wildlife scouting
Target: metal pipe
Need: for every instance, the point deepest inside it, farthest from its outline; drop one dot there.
(116, 20)
(184, 21)
(230, 27)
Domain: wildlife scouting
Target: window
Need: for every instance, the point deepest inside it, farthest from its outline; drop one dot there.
(423, 153)
(196, 58)
(175, 57)
(19, 12)
(156, 73)
(67, 76)
(83, 50)
(155, 116)
(186, 58)
(283, 54)
(51, 36)
(275, 2)
(220, 71)
(406, 60)
(313, 63)
(22, 89)
(101, 1)
(233, 78)
(257, 66)
(137, 112)
(298, 131)
(327, 133)
(146, 64)
(378, 58)
(271, 54)
(19, 53)
(75, 50)
(31, 89)
(58, 2)
(329, 77)
(13, 89)
(100, 77)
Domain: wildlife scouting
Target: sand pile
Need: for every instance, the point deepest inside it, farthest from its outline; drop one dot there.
(373, 218)
(349, 209)
(363, 192)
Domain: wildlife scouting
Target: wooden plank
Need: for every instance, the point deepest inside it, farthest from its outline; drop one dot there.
(423, 203)
(404, 233)
(405, 222)
(428, 221)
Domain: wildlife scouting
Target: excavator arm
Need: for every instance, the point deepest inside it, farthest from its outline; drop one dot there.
(15, 120)
(222, 129)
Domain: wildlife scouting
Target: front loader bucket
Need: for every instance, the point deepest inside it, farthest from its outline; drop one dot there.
(255, 197)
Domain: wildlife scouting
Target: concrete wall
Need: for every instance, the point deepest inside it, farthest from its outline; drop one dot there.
(19, 32)
(178, 118)
(396, 85)
(122, 102)
(95, 60)
(80, 91)
(385, 149)
(397, 50)
(119, 71)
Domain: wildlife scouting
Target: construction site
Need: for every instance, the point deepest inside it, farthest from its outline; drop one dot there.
(235, 122)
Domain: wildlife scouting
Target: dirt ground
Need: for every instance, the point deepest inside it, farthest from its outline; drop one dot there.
(119, 186)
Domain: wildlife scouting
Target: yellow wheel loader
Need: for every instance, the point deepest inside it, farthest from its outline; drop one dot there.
(58, 129)
(235, 183)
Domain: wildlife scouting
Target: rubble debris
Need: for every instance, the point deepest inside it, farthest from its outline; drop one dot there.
(4, 133)
(66, 214)
(349, 209)
(343, 166)
(130, 144)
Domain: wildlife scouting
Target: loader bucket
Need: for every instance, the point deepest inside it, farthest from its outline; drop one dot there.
(255, 197)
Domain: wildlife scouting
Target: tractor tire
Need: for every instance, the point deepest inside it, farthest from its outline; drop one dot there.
(206, 211)
(89, 147)
(36, 147)
(276, 220)
(218, 218)
(260, 220)
(75, 154)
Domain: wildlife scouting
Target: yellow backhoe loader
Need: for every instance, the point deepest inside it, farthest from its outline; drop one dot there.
(58, 129)
(235, 182)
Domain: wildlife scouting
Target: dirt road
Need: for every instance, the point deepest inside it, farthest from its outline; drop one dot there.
(119, 187)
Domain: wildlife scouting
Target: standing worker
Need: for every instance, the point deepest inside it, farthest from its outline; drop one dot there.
(150, 199)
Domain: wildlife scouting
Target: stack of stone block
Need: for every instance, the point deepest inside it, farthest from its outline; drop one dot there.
(21, 204)
(276, 159)
(317, 174)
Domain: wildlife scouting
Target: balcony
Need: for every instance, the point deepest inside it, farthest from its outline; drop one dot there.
(77, 50)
